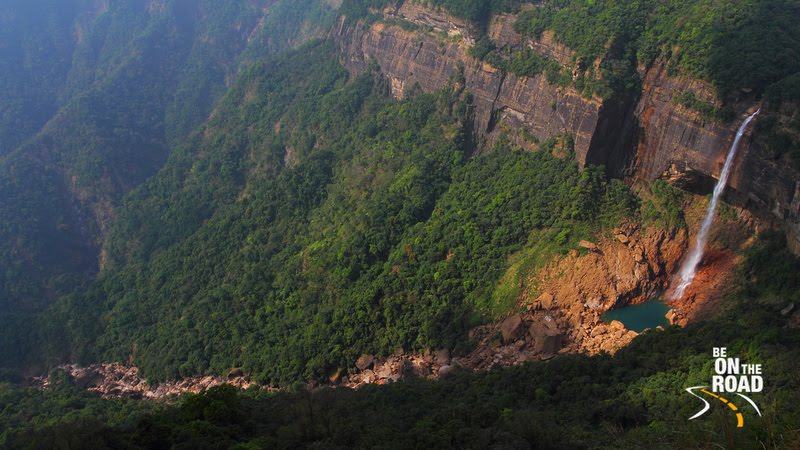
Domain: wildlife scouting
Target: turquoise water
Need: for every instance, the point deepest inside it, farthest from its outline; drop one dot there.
(649, 314)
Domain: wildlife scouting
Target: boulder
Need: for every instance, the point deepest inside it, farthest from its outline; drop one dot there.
(512, 328)
(617, 325)
(592, 247)
(575, 319)
(407, 369)
(622, 238)
(444, 370)
(383, 371)
(367, 376)
(442, 357)
(422, 371)
(88, 378)
(597, 331)
(551, 343)
(336, 377)
(365, 362)
(547, 338)
(545, 301)
(638, 255)
(787, 310)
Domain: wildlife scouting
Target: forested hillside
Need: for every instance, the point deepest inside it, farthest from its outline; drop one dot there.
(34, 65)
(748, 45)
(632, 400)
(283, 240)
(203, 188)
(94, 97)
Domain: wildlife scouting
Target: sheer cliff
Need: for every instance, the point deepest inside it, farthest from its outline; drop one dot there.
(436, 54)
(641, 135)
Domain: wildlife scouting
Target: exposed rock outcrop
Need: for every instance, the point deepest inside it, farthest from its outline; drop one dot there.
(114, 380)
(429, 61)
(565, 301)
(567, 297)
(678, 144)
(641, 138)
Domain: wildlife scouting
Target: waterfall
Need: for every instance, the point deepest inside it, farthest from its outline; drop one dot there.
(689, 267)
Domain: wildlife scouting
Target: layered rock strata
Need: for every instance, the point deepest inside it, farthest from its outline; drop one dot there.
(641, 139)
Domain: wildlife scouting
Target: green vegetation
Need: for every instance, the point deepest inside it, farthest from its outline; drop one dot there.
(116, 89)
(525, 62)
(58, 412)
(634, 399)
(34, 65)
(777, 138)
(607, 29)
(664, 208)
(735, 45)
(283, 240)
(749, 44)
(475, 12)
(311, 218)
(706, 109)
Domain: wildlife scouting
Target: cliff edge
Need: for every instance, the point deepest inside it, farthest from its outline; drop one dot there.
(640, 137)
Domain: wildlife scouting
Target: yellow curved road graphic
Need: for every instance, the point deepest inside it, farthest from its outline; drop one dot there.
(739, 416)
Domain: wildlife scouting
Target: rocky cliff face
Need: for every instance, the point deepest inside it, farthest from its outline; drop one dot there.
(641, 139)
(435, 54)
(676, 143)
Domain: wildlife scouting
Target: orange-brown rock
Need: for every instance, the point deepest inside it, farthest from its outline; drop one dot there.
(365, 362)
(512, 328)
(680, 145)
(114, 380)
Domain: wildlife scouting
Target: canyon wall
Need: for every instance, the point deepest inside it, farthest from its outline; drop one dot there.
(640, 139)
(677, 144)
(436, 54)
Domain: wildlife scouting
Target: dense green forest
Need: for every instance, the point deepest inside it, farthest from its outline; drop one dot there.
(634, 399)
(748, 45)
(116, 87)
(200, 186)
(34, 65)
(282, 240)
(310, 218)
(735, 45)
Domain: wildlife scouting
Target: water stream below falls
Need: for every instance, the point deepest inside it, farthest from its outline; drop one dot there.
(689, 266)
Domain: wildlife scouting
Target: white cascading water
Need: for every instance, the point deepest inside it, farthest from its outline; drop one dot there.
(689, 267)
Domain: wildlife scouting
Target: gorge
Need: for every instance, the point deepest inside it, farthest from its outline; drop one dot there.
(641, 137)
(644, 134)
(395, 223)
